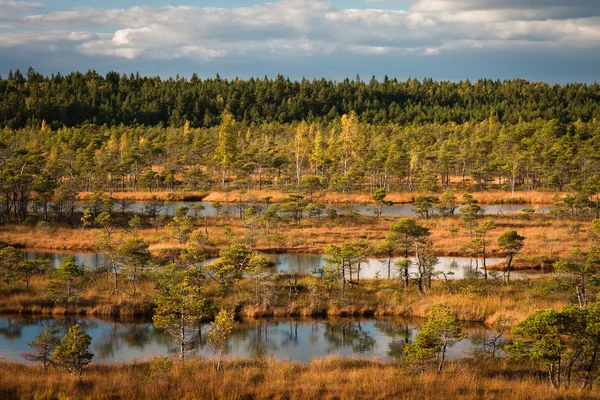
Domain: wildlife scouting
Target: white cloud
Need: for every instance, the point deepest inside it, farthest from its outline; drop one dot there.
(11, 5)
(305, 27)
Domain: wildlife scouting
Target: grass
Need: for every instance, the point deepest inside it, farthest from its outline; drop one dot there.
(328, 378)
(472, 300)
(233, 196)
(530, 197)
(147, 196)
(545, 239)
(96, 299)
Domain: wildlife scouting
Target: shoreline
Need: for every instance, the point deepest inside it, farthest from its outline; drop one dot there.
(472, 300)
(398, 198)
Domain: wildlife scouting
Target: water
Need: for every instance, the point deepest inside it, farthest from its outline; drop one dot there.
(286, 340)
(454, 267)
(304, 264)
(88, 259)
(399, 210)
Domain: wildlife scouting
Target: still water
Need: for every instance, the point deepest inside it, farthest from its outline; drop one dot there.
(288, 340)
(398, 210)
(304, 264)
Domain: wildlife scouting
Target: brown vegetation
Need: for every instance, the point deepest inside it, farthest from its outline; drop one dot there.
(147, 196)
(472, 300)
(531, 197)
(545, 239)
(328, 378)
(234, 196)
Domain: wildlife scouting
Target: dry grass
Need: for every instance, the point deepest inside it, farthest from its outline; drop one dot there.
(545, 239)
(529, 197)
(96, 299)
(147, 196)
(472, 300)
(72, 239)
(322, 379)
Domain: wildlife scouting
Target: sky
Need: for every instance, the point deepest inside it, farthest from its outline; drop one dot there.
(557, 41)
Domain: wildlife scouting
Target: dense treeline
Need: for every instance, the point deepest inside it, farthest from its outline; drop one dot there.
(64, 135)
(346, 156)
(77, 99)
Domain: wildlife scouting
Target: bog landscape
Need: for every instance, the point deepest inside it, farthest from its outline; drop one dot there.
(298, 238)
(299, 199)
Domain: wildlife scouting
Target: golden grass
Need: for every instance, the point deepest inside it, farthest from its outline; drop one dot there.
(328, 378)
(147, 196)
(495, 196)
(472, 300)
(96, 299)
(545, 239)
(72, 239)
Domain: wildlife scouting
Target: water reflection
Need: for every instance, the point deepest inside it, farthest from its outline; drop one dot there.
(293, 340)
(303, 264)
(458, 267)
(397, 210)
(88, 259)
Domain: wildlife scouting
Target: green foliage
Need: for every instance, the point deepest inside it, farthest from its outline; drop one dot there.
(67, 281)
(424, 205)
(181, 305)
(565, 342)
(258, 270)
(511, 243)
(219, 333)
(582, 267)
(72, 353)
(195, 103)
(440, 331)
(9, 258)
(133, 255)
(135, 222)
(182, 225)
(379, 199)
(447, 204)
(28, 268)
(231, 265)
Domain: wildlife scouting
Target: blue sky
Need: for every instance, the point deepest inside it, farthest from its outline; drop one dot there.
(551, 40)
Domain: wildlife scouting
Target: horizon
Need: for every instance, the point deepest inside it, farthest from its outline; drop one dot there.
(364, 79)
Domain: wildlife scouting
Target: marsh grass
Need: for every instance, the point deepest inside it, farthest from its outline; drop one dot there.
(328, 378)
(472, 300)
(545, 238)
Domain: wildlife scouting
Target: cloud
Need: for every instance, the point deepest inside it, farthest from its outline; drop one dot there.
(11, 5)
(291, 29)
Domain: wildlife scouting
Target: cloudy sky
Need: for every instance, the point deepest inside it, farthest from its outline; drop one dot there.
(551, 40)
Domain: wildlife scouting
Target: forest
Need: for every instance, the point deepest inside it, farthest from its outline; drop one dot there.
(420, 238)
(81, 99)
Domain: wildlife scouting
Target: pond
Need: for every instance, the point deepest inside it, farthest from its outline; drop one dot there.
(455, 267)
(89, 259)
(286, 340)
(398, 210)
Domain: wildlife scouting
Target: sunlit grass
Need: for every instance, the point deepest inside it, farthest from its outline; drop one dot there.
(327, 378)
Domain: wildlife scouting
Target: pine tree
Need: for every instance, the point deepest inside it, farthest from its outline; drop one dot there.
(72, 353)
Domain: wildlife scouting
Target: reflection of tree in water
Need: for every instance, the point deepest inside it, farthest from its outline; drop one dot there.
(125, 335)
(290, 336)
(486, 342)
(401, 333)
(313, 337)
(257, 335)
(341, 334)
(10, 329)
